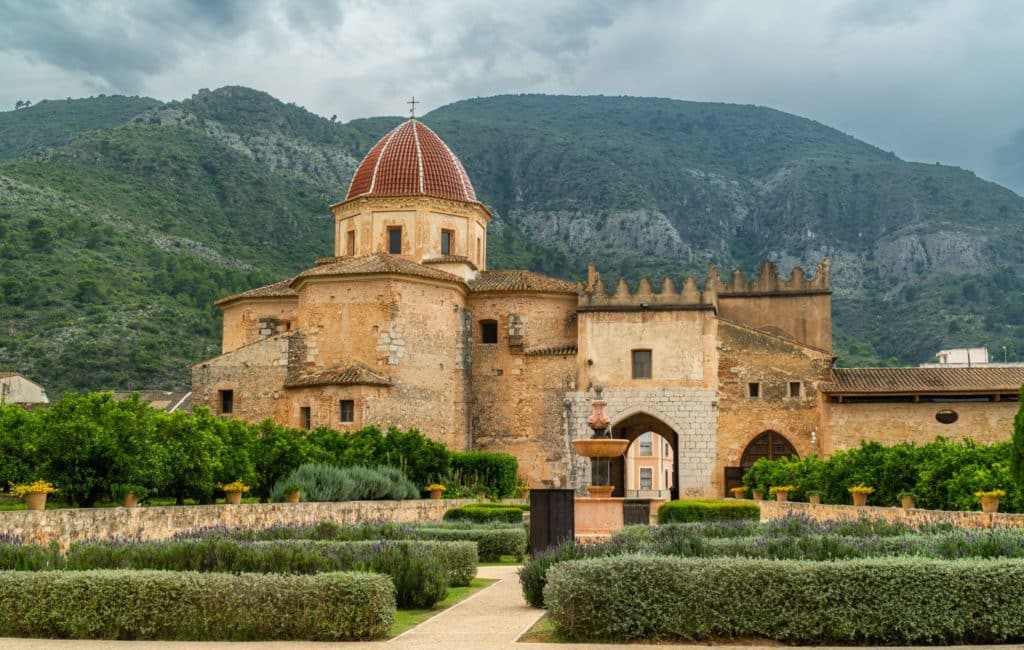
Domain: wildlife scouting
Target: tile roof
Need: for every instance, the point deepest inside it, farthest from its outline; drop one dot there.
(450, 259)
(277, 290)
(411, 160)
(924, 380)
(520, 281)
(353, 375)
(161, 400)
(554, 350)
(376, 263)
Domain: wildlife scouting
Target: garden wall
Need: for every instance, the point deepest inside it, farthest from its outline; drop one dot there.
(771, 510)
(149, 523)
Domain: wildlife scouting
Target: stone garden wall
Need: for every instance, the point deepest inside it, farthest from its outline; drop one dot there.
(151, 523)
(771, 510)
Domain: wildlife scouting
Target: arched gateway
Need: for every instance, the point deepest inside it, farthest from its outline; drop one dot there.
(769, 444)
(632, 428)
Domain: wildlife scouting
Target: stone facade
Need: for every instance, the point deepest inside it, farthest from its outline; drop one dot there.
(406, 326)
(916, 517)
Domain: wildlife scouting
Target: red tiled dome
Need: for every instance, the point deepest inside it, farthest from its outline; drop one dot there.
(411, 160)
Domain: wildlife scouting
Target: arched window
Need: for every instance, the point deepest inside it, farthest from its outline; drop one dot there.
(770, 445)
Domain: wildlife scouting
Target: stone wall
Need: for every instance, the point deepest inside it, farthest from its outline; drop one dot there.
(255, 373)
(772, 510)
(245, 321)
(153, 523)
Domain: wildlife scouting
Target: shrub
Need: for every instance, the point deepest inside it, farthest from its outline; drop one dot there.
(185, 606)
(419, 575)
(491, 543)
(895, 601)
(319, 482)
(693, 510)
(498, 472)
(484, 513)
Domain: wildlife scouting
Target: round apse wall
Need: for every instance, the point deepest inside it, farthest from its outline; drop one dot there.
(947, 416)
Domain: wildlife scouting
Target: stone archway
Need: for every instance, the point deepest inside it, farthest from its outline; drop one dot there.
(767, 444)
(633, 426)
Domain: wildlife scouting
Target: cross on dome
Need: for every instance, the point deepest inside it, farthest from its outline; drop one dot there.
(412, 107)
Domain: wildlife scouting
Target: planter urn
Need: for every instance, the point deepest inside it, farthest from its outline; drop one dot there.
(814, 498)
(990, 504)
(782, 496)
(130, 500)
(233, 498)
(435, 495)
(758, 495)
(907, 503)
(291, 497)
(35, 500)
(860, 499)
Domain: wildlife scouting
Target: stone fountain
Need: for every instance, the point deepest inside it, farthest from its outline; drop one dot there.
(599, 513)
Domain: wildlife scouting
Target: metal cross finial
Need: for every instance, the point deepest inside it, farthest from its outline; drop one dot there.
(412, 104)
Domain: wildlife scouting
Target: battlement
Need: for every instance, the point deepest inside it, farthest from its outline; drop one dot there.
(596, 296)
(768, 282)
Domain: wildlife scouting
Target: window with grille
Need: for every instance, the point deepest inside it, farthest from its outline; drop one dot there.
(646, 478)
(641, 364)
(305, 417)
(348, 410)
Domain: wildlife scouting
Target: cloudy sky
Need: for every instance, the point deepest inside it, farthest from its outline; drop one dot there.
(932, 80)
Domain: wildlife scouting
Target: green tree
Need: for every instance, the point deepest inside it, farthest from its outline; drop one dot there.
(192, 451)
(279, 450)
(19, 434)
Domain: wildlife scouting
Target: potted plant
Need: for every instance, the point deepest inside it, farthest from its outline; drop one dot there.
(34, 493)
(523, 486)
(738, 492)
(129, 494)
(758, 494)
(233, 492)
(435, 490)
(781, 492)
(907, 500)
(814, 496)
(292, 492)
(990, 499)
(860, 494)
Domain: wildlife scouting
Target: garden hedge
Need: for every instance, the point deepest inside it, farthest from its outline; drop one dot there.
(892, 601)
(491, 543)
(495, 470)
(485, 513)
(695, 510)
(188, 606)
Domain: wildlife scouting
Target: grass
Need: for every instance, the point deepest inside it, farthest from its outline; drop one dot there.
(506, 560)
(543, 631)
(406, 619)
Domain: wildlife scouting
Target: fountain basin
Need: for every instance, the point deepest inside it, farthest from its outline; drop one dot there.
(600, 447)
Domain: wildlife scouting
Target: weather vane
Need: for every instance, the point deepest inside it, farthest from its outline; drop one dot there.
(412, 104)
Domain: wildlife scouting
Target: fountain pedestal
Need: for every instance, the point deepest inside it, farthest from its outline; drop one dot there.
(599, 514)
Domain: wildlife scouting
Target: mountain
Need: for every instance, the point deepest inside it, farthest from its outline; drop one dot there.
(121, 219)
(1010, 163)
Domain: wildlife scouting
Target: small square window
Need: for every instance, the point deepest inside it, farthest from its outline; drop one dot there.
(446, 242)
(350, 243)
(641, 364)
(227, 401)
(754, 389)
(395, 240)
(646, 478)
(794, 389)
(348, 410)
(488, 331)
(305, 417)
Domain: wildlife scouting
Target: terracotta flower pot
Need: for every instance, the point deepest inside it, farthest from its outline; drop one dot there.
(233, 498)
(860, 499)
(600, 491)
(815, 499)
(781, 496)
(35, 500)
(758, 495)
(130, 501)
(990, 504)
(291, 497)
(435, 495)
(907, 503)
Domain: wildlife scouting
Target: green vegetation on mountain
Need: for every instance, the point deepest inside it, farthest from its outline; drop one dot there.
(121, 219)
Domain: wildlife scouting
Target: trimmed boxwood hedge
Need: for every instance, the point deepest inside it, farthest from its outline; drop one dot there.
(189, 606)
(485, 513)
(491, 543)
(891, 601)
(696, 510)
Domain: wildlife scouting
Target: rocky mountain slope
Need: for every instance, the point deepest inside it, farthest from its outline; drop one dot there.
(121, 219)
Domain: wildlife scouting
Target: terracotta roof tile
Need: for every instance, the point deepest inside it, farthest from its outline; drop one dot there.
(924, 380)
(520, 281)
(450, 259)
(280, 289)
(555, 350)
(376, 263)
(411, 160)
(353, 375)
